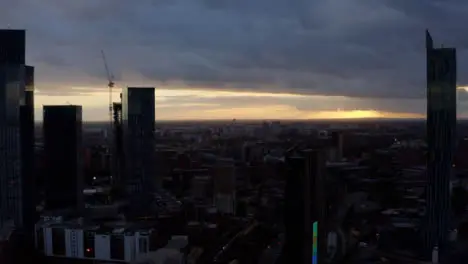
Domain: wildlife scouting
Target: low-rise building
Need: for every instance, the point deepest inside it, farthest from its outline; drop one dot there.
(76, 238)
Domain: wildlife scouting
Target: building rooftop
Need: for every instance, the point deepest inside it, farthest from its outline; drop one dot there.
(114, 227)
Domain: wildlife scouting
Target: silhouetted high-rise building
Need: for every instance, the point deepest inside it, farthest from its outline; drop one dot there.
(441, 128)
(11, 91)
(138, 117)
(28, 182)
(12, 46)
(63, 149)
(304, 205)
(316, 171)
(12, 73)
(298, 219)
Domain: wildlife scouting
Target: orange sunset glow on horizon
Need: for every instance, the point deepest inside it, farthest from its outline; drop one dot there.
(199, 104)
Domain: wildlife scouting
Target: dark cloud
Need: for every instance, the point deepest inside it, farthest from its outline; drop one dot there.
(361, 49)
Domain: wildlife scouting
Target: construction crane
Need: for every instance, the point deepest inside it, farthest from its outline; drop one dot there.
(110, 85)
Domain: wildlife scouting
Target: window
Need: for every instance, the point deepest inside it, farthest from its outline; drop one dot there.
(58, 241)
(143, 245)
(117, 247)
(88, 244)
(40, 239)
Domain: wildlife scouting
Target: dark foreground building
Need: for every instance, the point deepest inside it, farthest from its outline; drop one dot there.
(63, 153)
(138, 118)
(304, 200)
(12, 77)
(441, 127)
(12, 46)
(27, 153)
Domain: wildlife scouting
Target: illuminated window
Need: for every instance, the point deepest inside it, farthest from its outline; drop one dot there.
(88, 244)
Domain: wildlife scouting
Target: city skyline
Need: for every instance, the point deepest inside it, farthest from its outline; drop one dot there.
(313, 61)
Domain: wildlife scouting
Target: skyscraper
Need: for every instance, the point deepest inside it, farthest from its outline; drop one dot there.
(297, 212)
(63, 149)
(304, 201)
(138, 117)
(12, 46)
(12, 72)
(11, 87)
(315, 168)
(27, 152)
(441, 128)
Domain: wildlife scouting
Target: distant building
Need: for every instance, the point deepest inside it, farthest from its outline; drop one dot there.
(75, 239)
(174, 252)
(224, 180)
(138, 117)
(63, 149)
(441, 128)
(335, 152)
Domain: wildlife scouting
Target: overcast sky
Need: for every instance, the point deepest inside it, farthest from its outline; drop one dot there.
(316, 56)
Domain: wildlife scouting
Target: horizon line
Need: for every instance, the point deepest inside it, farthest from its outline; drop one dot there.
(276, 119)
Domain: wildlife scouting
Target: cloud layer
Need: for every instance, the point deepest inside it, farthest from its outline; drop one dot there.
(353, 48)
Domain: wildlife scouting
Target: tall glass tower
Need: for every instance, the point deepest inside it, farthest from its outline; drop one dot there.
(138, 118)
(63, 147)
(12, 87)
(441, 128)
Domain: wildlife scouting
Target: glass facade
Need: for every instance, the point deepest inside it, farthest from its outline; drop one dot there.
(12, 46)
(138, 117)
(11, 90)
(441, 129)
(63, 150)
(314, 242)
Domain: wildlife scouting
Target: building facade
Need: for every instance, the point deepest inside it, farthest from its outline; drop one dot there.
(441, 140)
(63, 149)
(11, 89)
(73, 239)
(298, 220)
(305, 219)
(27, 152)
(13, 47)
(12, 85)
(316, 171)
(138, 118)
(224, 183)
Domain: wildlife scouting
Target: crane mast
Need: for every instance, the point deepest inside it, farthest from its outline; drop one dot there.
(110, 85)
